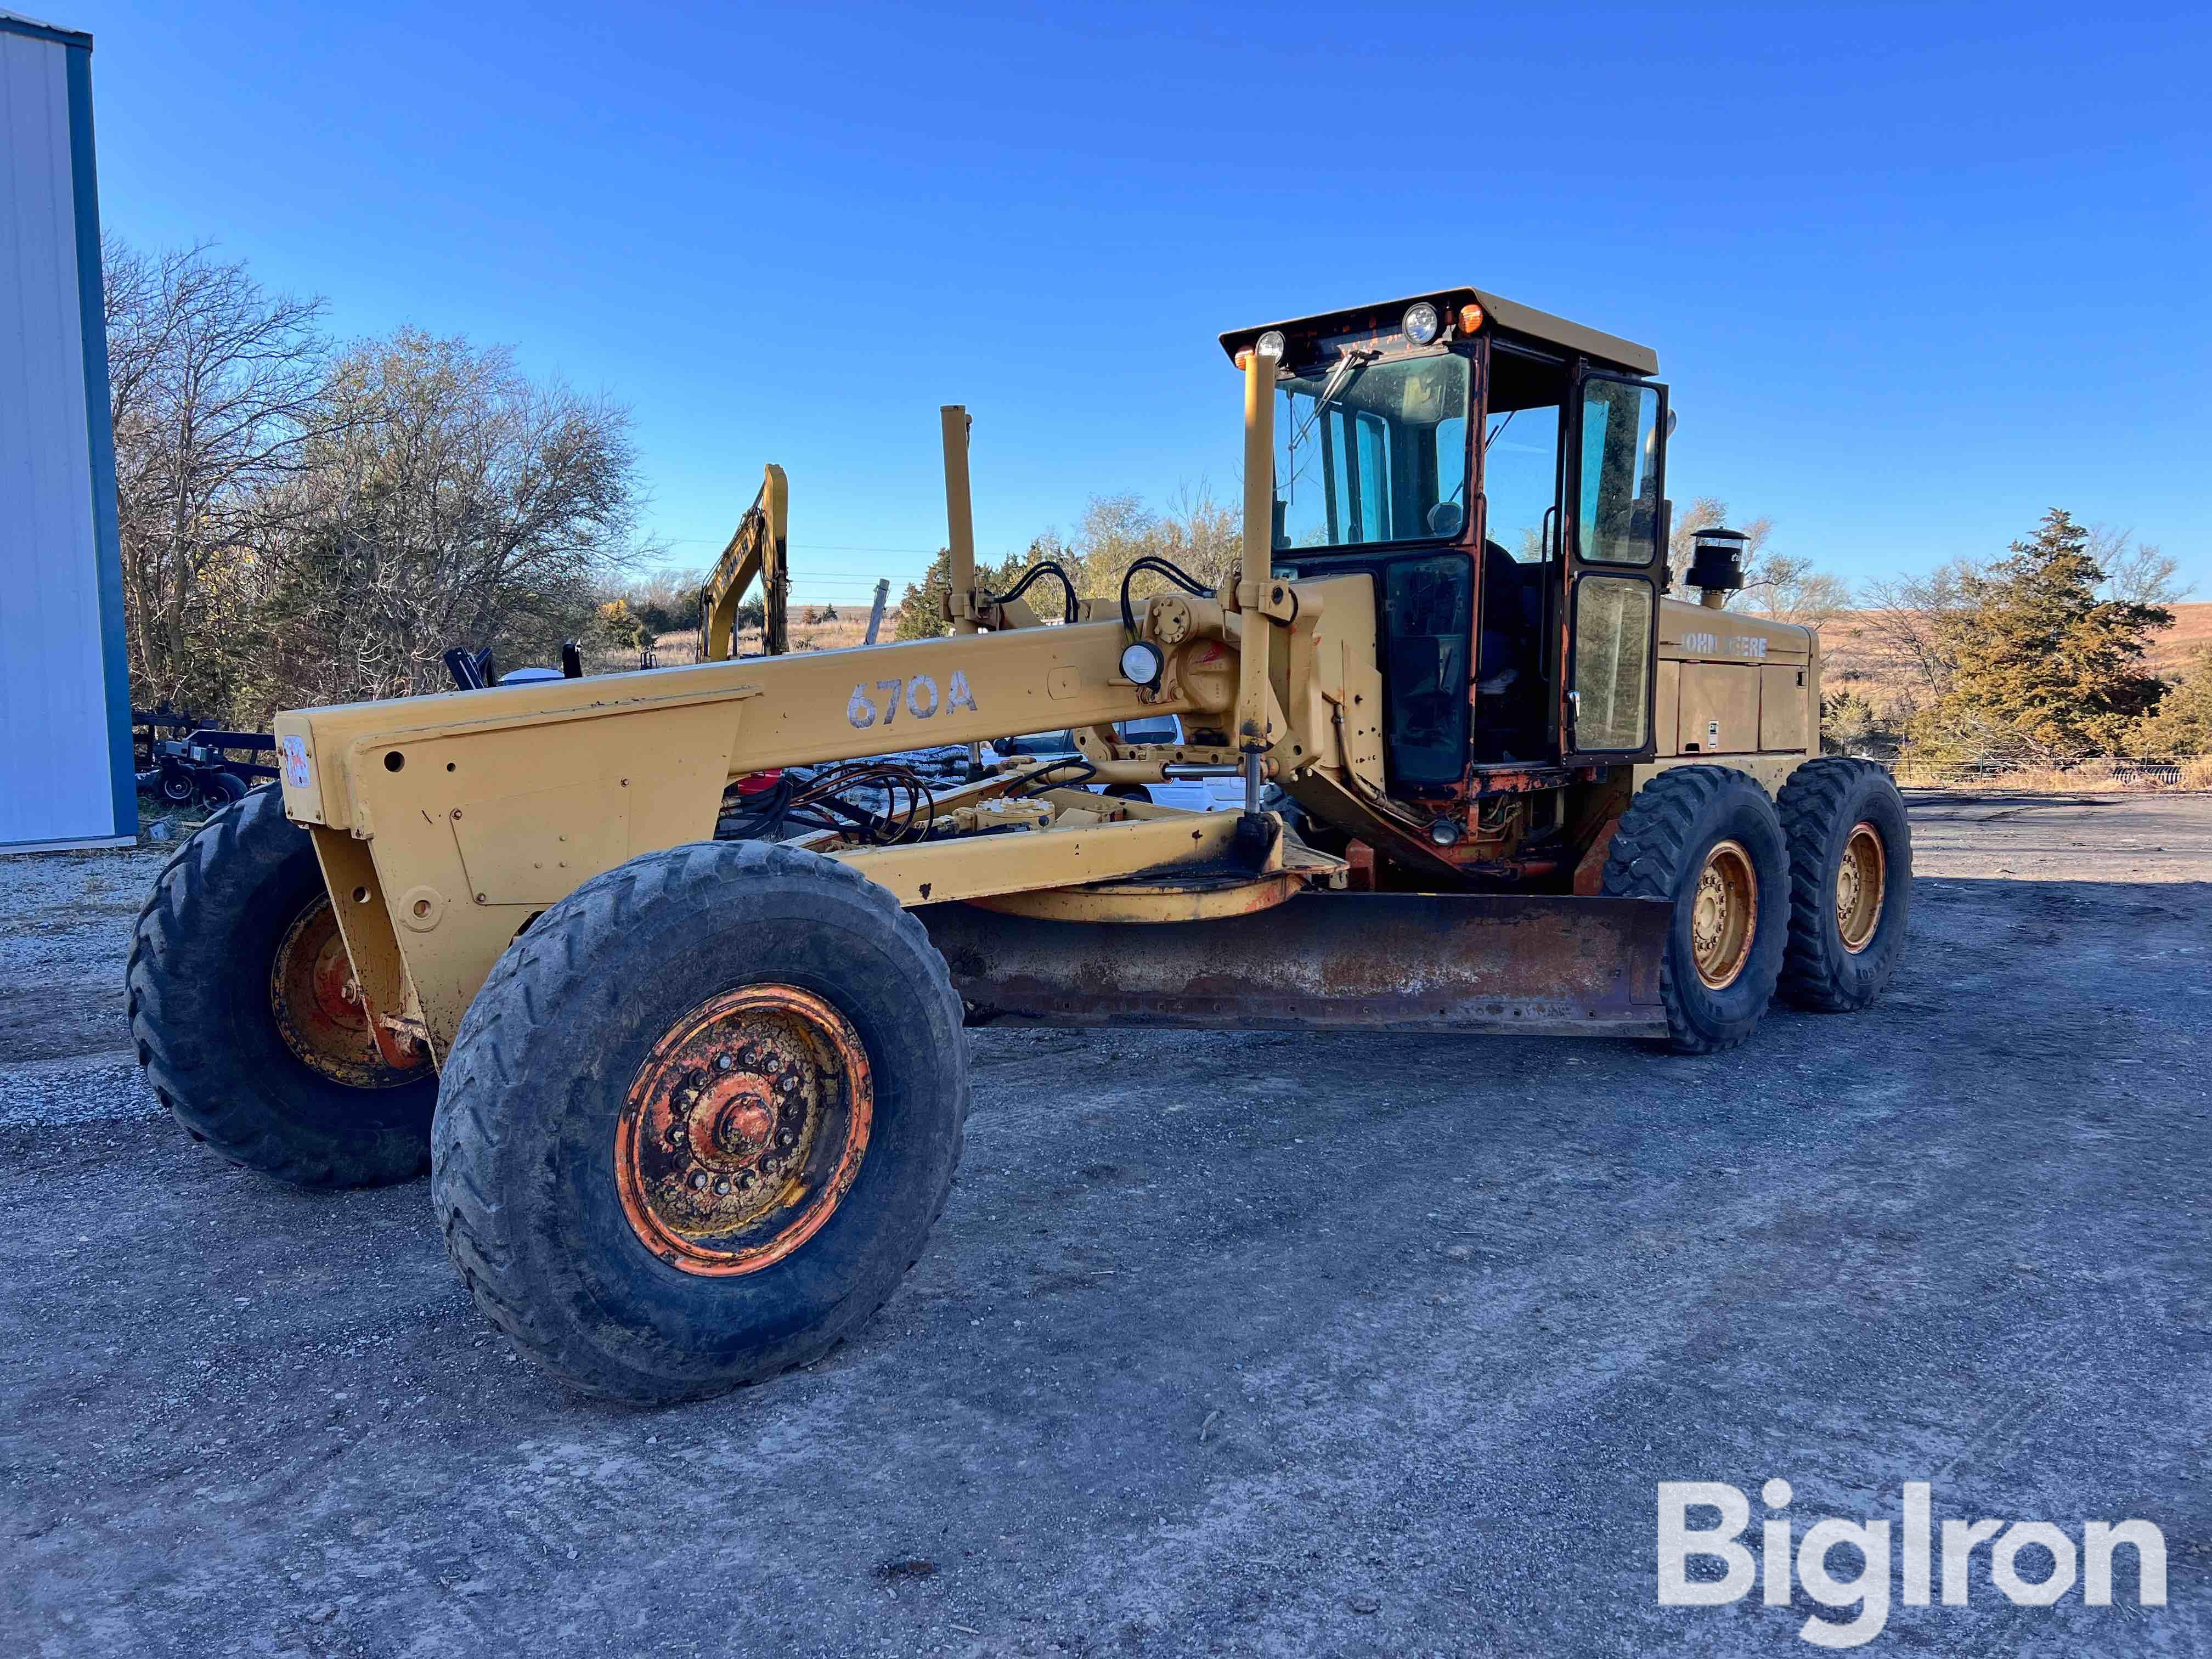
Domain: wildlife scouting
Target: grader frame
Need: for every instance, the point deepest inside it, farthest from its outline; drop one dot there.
(444, 824)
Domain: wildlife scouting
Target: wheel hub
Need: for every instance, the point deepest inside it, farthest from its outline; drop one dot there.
(1723, 914)
(1862, 877)
(318, 1009)
(744, 1130)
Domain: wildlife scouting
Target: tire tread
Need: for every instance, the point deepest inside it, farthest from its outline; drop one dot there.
(486, 1090)
(172, 1020)
(1811, 802)
(1647, 859)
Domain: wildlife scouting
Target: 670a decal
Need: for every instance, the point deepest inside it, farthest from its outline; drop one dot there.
(919, 694)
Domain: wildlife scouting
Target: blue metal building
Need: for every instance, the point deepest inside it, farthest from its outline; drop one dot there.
(65, 763)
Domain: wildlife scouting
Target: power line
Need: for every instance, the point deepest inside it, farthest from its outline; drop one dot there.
(844, 547)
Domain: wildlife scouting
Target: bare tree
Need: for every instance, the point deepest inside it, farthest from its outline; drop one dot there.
(1774, 584)
(1909, 620)
(212, 387)
(2134, 573)
(1792, 591)
(1709, 513)
(1196, 533)
(449, 500)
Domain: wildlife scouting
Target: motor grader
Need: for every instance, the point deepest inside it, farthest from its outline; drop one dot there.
(691, 1106)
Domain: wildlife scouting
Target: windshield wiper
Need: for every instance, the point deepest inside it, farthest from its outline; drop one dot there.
(1346, 366)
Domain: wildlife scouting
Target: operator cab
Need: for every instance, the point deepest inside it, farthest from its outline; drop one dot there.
(1429, 443)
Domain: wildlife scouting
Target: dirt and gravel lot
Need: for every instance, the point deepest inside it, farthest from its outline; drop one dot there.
(1234, 1343)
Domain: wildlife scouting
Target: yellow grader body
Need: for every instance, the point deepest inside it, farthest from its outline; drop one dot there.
(1483, 792)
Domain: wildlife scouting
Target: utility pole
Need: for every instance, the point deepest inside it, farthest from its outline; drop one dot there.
(876, 615)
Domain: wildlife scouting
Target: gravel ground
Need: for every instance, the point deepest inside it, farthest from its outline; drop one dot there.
(1230, 1343)
(62, 952)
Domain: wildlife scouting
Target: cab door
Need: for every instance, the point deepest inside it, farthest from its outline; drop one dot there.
(1615, 513)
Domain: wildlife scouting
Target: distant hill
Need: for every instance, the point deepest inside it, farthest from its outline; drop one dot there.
(2193, 626)
(1851, 652)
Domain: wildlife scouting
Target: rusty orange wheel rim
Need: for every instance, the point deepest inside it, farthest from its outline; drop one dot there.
(1723, 914)
(744, 1130)
(1862, 876)
(319, 1008)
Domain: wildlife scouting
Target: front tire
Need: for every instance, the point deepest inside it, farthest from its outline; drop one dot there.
(699, 1122)
(238, 982)
(1707, 840)
(1850, 883)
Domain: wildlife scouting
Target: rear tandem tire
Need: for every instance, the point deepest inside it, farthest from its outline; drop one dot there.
(613, 1062)
(203, 1016)
(1707, 839)
(1845, 817)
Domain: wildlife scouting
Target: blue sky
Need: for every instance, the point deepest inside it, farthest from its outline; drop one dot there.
(1914, 273)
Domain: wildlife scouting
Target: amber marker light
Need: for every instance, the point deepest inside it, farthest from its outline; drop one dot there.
(1470, 318)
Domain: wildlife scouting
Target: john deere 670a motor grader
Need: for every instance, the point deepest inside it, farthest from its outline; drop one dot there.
(690, 1106)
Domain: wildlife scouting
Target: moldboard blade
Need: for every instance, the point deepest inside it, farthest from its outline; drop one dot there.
(1391, 962)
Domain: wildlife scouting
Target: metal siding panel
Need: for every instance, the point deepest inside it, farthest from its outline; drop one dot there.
(1782, 706)
(1718, 694)
(55, 773)
(100, 433)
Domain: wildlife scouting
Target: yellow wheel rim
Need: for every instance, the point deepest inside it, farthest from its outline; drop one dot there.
(1723, 914)
(1861, 877)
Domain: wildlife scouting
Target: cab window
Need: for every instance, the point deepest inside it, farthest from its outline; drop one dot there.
(1425, 613)
(1621, 508)
(1371, 450)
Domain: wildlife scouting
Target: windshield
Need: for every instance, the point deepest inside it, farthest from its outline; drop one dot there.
(1370, 450)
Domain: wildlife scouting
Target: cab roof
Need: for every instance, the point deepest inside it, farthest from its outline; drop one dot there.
(1508, 319)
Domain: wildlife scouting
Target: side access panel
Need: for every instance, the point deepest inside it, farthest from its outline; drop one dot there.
(1388, 962)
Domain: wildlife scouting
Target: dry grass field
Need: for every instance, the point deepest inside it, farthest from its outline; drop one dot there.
(1851, 650)
(674, 649)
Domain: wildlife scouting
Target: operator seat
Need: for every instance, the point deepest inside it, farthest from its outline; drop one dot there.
(1508, 700)
(1509, 623)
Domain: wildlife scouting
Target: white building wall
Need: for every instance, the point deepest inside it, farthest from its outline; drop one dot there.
(56, 759)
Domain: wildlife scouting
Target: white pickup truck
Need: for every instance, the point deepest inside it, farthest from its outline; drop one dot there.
(1192, 794)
